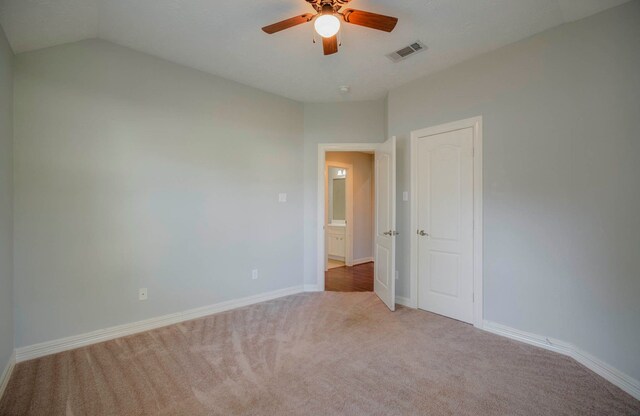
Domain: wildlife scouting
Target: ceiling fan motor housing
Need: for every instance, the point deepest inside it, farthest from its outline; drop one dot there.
(327, 8)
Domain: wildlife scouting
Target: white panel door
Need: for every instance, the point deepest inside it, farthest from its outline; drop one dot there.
(385, 232)
(445, 223)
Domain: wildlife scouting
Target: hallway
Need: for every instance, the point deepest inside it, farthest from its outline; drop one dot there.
(350, 279)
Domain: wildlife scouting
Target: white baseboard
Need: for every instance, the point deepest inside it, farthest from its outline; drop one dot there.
(6, 374)
(362, 261)
(77, 341)
(312, 288)
(611, 374)
(401, 300)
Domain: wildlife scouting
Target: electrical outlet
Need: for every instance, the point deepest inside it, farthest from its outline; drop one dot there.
(254, 274)
(282, 197)
(142, 293)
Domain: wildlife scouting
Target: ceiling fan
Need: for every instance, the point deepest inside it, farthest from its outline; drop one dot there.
(327, 23)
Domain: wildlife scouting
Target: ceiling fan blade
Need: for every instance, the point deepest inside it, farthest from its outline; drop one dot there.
(372, 20)
(330, 45)
(286, 24)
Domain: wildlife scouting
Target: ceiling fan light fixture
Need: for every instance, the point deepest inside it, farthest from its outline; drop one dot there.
(327, 22)
(327, 25)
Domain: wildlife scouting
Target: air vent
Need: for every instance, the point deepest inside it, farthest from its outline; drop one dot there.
(407, 51)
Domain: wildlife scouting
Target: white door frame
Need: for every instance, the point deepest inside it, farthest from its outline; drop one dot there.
(476, 124)
(348, 232)
(322, 149)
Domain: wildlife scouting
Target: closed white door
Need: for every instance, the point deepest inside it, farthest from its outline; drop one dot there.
(445, 223)
(385, 213)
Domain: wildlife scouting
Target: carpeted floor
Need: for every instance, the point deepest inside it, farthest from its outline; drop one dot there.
(324, 353)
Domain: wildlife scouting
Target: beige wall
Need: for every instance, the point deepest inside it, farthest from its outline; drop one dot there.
(347, 122)
(131, 171)
(561, 179)
(363, 188)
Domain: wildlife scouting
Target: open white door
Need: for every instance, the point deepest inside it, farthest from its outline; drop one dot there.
(384, 282)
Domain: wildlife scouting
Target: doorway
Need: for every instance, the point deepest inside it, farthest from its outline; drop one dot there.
(384, 221)
(446, 217)
(349, 224)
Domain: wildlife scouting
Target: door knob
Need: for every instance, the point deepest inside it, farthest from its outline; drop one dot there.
(422, 233)
(387, 233)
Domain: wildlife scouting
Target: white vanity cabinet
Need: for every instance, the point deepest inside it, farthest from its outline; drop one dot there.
(336, 247)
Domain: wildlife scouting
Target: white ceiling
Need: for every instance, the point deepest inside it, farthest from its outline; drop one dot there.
(223, 37)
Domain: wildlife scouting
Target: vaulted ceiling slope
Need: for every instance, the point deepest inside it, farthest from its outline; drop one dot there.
(223, 37)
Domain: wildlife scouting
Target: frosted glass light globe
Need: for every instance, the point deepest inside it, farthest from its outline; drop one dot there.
(327, 25)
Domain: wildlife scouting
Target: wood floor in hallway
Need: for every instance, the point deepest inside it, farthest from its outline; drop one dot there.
(350, 279)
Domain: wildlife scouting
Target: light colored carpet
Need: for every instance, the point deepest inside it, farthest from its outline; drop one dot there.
(312, 354)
